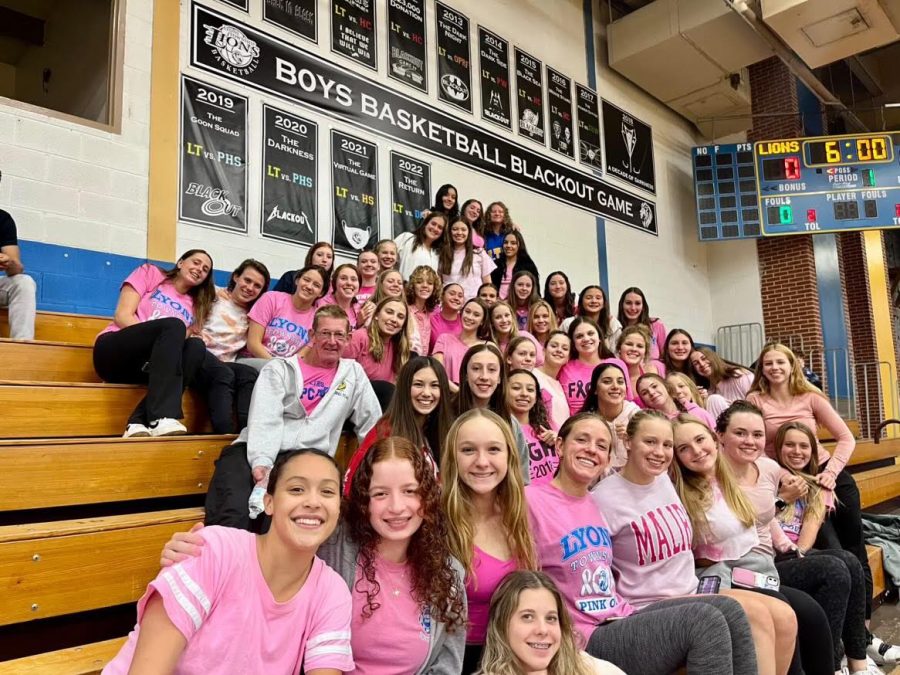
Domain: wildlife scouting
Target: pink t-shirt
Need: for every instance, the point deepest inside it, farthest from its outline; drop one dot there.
(453, 350)
(657, 339)
(221, 604)
(440, 325)
(696, 411)
(763, 496)
(726, 538)
(573, 546)
(159, 299)
(316, 383)
(363, 294)
(488, 573)
(651, 534)
(543, 457)
(328, 299)
(397, 637)
(287, 329)
(482, 266)
(478, 241)
(358, 349)
(814, 411)
(422, 324)
(575, 378)
(559, 406)
(503, 291)
(734, 388)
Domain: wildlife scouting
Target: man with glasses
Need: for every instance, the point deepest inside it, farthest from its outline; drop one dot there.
(299, 402)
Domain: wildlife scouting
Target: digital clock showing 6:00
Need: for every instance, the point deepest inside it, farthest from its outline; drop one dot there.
(861, 150)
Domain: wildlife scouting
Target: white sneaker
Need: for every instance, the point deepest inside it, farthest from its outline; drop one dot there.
(136, 431)
(882, 652)
(166, 426)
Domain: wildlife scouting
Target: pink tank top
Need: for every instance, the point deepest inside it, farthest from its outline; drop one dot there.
(488, 573)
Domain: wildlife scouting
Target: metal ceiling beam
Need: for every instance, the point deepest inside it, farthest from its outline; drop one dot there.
(858, 68)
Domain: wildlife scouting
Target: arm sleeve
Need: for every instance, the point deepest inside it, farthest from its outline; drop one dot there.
(487, 264)
(8, 235)
(779, 539)
(143, 279)
(522, 445)
(439, 345)
(189, 589)
(261, 311)
(366, 409)
(448, 657)
(827, 416)
(265, 424)
(328, 641)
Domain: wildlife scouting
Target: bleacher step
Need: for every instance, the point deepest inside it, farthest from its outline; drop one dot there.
(83, 660)
(43, 361)
(95, 471)
(62, 327)
(878, 485)
(65, 409)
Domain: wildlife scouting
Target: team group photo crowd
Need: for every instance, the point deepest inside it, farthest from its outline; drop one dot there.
(451, 462)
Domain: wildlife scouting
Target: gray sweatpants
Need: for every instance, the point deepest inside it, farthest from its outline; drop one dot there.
(703, 633)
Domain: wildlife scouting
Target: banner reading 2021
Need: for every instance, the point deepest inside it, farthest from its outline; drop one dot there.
(288, 177)
(213, 157)
(354, 177)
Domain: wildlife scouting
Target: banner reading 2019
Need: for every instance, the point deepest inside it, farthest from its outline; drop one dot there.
(233, 50)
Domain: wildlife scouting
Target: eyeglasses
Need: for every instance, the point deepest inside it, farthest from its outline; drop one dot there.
(328, 335)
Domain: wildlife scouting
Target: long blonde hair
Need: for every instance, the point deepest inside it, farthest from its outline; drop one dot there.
(498, 657)
(400, 340)
(815, 500)
(696, 493)
(456, 498)
(696, 396)
(797, 382)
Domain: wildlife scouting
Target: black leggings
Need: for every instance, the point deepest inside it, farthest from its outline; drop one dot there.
(847, 522)
(154, 353)
(227, 387)
(813, 633)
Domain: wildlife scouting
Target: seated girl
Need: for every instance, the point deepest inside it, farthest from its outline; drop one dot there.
(450, 348)
(252, 603)
(655, 394)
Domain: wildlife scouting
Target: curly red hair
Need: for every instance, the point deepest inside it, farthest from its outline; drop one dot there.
(433, 579)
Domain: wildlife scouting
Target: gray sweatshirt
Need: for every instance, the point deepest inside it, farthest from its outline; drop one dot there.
(445, 650)
(278, 421)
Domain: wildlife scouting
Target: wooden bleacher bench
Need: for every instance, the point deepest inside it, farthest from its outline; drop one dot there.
(42, 361)
(85, 660)
(62, 327)
(63, 409)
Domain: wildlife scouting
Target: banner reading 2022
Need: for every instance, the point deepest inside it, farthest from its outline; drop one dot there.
(410, 191)
(289, 208)
(354, 177)
(213, 157)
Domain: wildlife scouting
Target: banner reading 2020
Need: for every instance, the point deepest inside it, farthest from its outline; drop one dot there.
(410, 190)
(289, 180)
(354, 177)
(213, 157)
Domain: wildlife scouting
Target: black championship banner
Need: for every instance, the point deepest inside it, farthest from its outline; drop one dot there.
(235, 51)
(406, 43)
(628, 145)
(454, 67)
(493, 54)
(353, 31)
(354, 177)
(296, 16)
(559, 105)
(289, 177)
(588, 127)
(410, 190)
(240, 4)
(529, 97)
(213, 157)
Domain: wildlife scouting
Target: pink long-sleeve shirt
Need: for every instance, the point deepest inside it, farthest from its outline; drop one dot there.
(814, 411)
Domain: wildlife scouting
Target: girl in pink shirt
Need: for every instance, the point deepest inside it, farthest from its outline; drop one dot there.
(485, 506)
(556, 355)
(631, 348)
(472, 214)
(368, 265)
(541, 321)
(420, 411)
(388, 284)
(523, 294)
(462, 262)
(447, 320)
(386, 250)
(575, 549)
(145, 343)
(280, 324)
(606, 397)
(634, 310)
(423, 292)
(587, 352)
(253, 603)
(656, 395)
(523, 396)
(802, 518)
(383, 347)
(521, 353)
(558, 294)
(676, 352)
(450, 349)
(504, 329)
(725, 382)
(344, 287)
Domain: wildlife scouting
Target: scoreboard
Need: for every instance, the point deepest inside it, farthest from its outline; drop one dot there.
(802, 185)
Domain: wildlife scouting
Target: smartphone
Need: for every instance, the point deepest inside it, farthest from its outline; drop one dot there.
(745, 578)
(708, 585)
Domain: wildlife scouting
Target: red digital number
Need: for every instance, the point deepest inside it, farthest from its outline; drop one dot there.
(792, 168)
